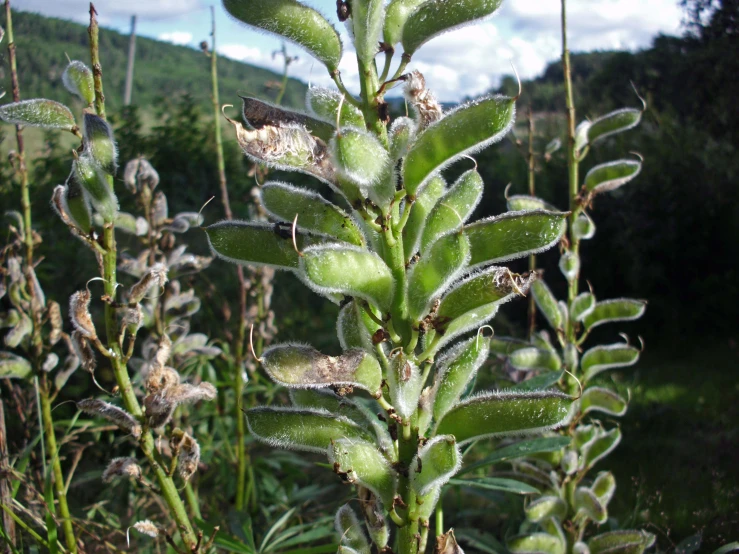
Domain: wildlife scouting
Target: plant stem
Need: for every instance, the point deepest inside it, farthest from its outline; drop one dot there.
(131, 403)
(532, 192)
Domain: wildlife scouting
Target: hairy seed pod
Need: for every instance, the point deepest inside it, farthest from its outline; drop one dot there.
(50, 362)
(139, 173)
(121, 467)
(395, 17)
(447, 544)
(349, 528)
(77, 78)
(324, 104)
(146, 527)
(363, 464)
(79, 313)
(163, 351)
(159, 209)
(72, 206)
(54, 314)
(84, 351)
(92, 179)
(158, 410)
(359, 156)
(401, 133)
(373, 516)
(38, 112)
(99, 142)
(160, 378)
(188, 453)
(154, 278)
(436, 462)
(421, 99)
(112, 413)
(258, 114)
(21, 330)
(366, 25)
(185, 393)
(132, 319)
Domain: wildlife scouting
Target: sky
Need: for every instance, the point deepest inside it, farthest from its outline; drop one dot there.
(462, 63)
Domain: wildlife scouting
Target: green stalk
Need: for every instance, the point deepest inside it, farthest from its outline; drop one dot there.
(532, 192)
(37, 339)
(166, 484)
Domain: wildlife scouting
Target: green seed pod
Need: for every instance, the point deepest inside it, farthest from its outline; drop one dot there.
(91, 178)
(604, 357)
(307, 430)
(77, 78)
(581, 136)
(580, 548)
(401, 134)
(583, 227)
(621, 542)
(610, 176)
(599, 447)
(469, 321)
(504, 346)
(456, 368)
(454, 208)
(587, 503)
(582, 306)
(571, 357)
(364, 465)
(348, 270)
(423, 205)
(465, 130)
(544, 508)
(521, 202)
(505, 413)
(355, 328)
(38, 113)
(283, 202)
(445, 260)
(257, 244)
(298, 366)
(542, 543)
(612, 123)
(324, 104)
(491, 285)
(296, 22)
(514, 235)
(569, 265)
(13, 366)
(541, 340)
(366, 20)
(535, 359)
(435, 17)
(436, 462)
(258, 113)
(604, 486)
(395, 17)
(405, 383)
(598, 399)
(359, 156)
(547, 304)
(569, 462)
(349, 529)
(618, 309)
(71, 200)
(99, 142)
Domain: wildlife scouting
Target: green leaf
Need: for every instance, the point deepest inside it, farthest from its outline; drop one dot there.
(604, 486)
(604, 357)
(348, 270)
(258, 113)
(355, 328)
(395, 17)
(495, 484)
(323, 103)
(621, 542)
(296, 22)
(546, 507)
(454, 208)
(524, 202)
(514, 235)
(308, 430)
(505, 413)
(77, 79)
(534, 359)
(300, 366)
(543, 381)
(519, 450)
(547, 304)
(283, 202)
(587, 503)
(598, 399)
(436, 462)
(456, 368)
(435, 17)
(99, 142)
(444, 261)
(89, 175)
(582, 306)
(258, 244)
(619, 309)
(491, 285)
(349, 528)
(599, 447)
(610, 176)
(38, 112)
(615, 122)
(465, 130)
(364, 465)
(420, 210)
(13, 366)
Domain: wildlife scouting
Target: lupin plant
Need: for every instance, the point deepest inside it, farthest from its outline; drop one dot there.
(88, 205)
(572, 496)
(416, 283)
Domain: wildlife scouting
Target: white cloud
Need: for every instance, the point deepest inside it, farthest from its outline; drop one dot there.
(176, 37)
